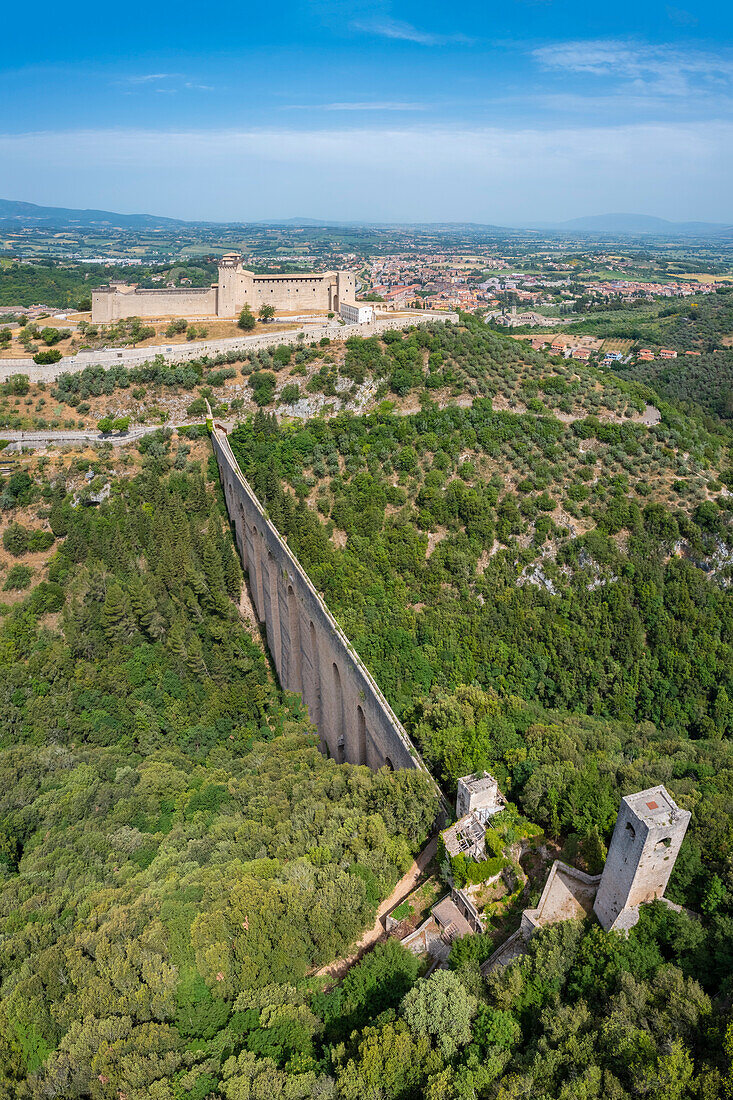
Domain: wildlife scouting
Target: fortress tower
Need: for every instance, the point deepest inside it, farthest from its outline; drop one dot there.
(229, 294)
(311, 290)
(646, 841)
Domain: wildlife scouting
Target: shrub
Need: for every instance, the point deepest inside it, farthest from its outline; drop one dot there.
(40, 540)
(247, 319)
(282, 354)
(18, 578)
(263, 383)
(17, 385)
(111, 424)
(52, 355)
(15, 540)
(51, 336)
(289, 394)
(481, 870)
(197, 407)
(48, 596)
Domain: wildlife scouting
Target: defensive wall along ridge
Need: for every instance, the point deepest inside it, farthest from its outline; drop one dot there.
(310, 651)
(180, 353)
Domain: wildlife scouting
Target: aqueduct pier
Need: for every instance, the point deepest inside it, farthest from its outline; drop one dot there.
(310, 651)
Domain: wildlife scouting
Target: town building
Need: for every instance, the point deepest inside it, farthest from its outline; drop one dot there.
(356, 313)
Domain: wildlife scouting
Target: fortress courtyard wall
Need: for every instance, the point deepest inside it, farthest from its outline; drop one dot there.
(112, 304)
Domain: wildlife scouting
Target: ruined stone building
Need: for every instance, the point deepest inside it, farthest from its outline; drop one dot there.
(478, 798)
(646, 840)
(466, 838)
(479, 794)
(237, 286)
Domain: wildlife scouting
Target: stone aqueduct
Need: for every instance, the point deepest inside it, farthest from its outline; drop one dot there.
(311, 653)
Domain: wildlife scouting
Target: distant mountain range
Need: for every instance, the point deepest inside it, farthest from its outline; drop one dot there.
(28, 214)
(16, 214)
(633, 224)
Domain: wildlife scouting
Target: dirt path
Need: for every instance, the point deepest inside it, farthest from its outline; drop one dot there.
(337, 969)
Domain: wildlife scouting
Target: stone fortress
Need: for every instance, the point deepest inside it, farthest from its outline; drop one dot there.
(320, 291)
(649, 831)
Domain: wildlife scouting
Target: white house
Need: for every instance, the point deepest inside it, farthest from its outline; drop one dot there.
(356, 313)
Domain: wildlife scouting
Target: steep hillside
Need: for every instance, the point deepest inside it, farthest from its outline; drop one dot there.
(534, 557)
(175, 852)
(541, 583)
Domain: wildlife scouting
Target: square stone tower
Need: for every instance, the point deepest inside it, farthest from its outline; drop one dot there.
(478, 794)
(646, 840)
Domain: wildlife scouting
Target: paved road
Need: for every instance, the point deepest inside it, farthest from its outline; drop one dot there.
(82, 435)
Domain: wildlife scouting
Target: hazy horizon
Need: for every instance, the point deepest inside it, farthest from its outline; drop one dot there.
(326, 221)
(393, 112)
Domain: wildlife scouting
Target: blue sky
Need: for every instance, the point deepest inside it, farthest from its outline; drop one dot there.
(510, 113)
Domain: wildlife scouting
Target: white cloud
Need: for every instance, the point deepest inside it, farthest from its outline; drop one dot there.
(663, 69)
(386, 27)
(164, 82)
(149, 78)
(391, 173)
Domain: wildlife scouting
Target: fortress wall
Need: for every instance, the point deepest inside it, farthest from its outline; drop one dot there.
(236, 286)
(311, 653)
(280, 291)
(112, 305)
(179, 353)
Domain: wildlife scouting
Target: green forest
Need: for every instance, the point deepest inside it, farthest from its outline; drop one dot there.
(52, 283)
(171, 839)
(539, 581)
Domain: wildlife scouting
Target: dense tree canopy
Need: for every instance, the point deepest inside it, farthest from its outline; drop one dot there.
(171, 838)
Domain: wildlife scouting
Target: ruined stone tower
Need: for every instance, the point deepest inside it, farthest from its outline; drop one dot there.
(646, 840)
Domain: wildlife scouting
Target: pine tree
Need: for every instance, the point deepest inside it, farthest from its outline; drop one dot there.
(116, 614)
(177, 640)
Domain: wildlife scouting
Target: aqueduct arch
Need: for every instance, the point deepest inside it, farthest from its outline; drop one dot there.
(310, 651)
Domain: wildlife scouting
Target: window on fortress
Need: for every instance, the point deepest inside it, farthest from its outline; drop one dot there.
(630, 830)
(664, 843)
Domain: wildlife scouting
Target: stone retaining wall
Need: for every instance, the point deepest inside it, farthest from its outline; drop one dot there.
(180, 353)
